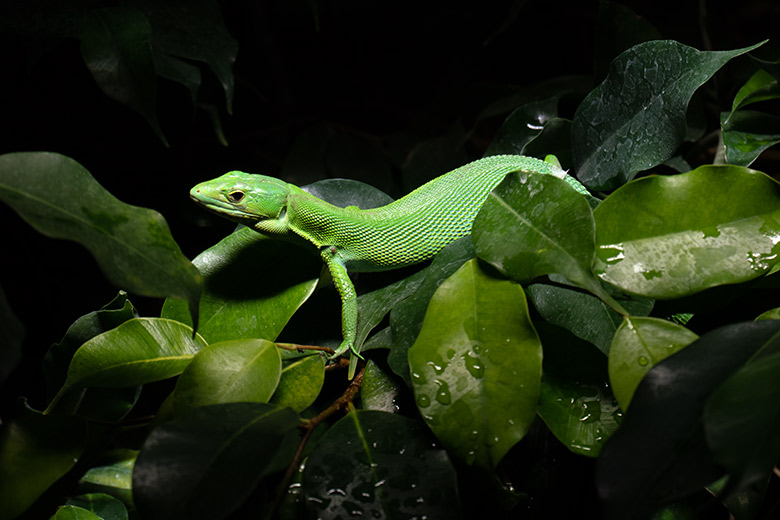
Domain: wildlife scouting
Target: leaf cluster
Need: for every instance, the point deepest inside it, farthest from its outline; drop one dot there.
(604, 336)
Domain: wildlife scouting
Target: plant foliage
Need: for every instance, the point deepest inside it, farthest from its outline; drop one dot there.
(609, 326)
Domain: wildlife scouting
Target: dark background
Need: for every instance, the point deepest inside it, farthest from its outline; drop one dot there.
(386, 92)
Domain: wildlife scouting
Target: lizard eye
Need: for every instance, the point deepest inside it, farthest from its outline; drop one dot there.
(235, 196)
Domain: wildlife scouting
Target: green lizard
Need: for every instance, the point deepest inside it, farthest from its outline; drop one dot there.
(410, 230)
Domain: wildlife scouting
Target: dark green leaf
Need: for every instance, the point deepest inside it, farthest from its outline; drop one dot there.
(103, 506)
(476, 366)
(584, 315)
(347, 192)
(11, 336)
(137, 352)
(194, 30)
(35, 451)
(114, 477)
(132, 245)
(576, 402)
(532, 225)
(379, 465)
(747, 133)
(300, 383)
(115, 46)
(522, 126)
(619, 28)
(245, 370)
(639, 344)
(635, 119)
(252, 286)
(406, 318)
(772, 314)
(670, 236)
(177, 70)
(205, 464)
(742, 419)
(380, 390)
(761, 86)
(659, 454)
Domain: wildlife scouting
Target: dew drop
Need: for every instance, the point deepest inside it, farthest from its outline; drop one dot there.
(643, 361)
(443, 393)
(423, 401)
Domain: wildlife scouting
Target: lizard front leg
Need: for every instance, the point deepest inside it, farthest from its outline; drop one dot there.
(348, 300)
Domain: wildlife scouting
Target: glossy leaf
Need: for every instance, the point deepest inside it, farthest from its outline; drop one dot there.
(228, 372)
(132, 245)
(522, 126)
(586, 316)
(667, 237)
(105, 405)
(74, 513)
(532, 225)
(115, 47)
(300, 383)
(639, 344)
(576, 402)
(114, 477)
(103, 506)
(252, 286)
(137, 352)
(35, 452)
(206, 463)
(194, 30)
(761, 86)
(379, 465)
(380, 391)
(406, 318)
(476, 366)
(635, 119)
(746, 134)
(660, 454)
(742, 419)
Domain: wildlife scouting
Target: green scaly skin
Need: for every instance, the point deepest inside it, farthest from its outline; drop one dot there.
(408, 231)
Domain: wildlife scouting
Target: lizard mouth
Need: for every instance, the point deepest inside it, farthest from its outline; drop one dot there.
(223, 208)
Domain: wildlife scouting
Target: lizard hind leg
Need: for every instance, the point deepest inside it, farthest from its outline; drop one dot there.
(348, 295)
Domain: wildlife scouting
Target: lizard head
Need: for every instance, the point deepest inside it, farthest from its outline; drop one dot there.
(250, 199)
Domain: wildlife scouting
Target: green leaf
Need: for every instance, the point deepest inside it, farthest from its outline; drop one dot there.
(194, 30)
(771, 314)
(532, 225)
(177, 70)
(300, 383)
(103, 506)
(252, 287)
(107, 405)
(581, 313)
(761, 86)
(380, 391)
(244, 370)
(522, 126)
(576, 402)
(671, 236)
(379, 465)
(35, 452)
(406, 318)
(132, 245)
(114, 477)
(74, 513)
(660, 454)
(746, 134)
(11, 337)
(206, 463)
(137, 352)
(635, 119)
(742, 419)
(639, 344)
(115, 46)
(476, 366)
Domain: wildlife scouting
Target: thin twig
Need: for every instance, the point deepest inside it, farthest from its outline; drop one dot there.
(308, 426)
(302, 348)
